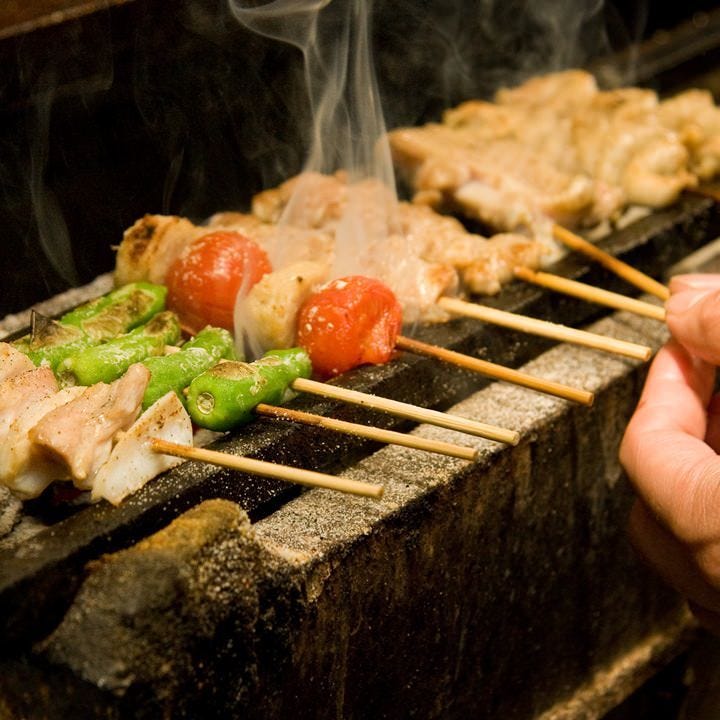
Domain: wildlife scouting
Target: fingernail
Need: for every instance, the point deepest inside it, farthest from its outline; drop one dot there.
(694, 281)
(682, 301)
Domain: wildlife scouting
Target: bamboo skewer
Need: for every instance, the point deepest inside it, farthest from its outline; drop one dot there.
(406, 410)
(546, 329)
(499, 372)
(590, 293)
(708, 191)
(625, 271)
(367, 431)
(308, 478)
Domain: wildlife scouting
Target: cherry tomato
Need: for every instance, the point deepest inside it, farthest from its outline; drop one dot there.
(349, 322)
(205, 280)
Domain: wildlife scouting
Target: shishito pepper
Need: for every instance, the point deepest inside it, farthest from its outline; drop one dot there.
(176, 371)
(107, 362)
(52, 341)
(225, 396)
(118, 311)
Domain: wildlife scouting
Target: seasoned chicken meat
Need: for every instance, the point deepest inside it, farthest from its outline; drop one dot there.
(132, 462)
(267, 316)
(80, 433)
(150, 247)
(13, 362)
(24, 468)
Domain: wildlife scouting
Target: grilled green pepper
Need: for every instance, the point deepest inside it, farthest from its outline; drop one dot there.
(50, 342)
(118, 311)
(225, 396)
(107, 362)
(176, 371)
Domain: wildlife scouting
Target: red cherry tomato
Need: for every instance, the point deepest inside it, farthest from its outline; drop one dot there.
(205, 280)
(349, 322)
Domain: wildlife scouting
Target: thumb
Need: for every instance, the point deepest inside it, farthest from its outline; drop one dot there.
(693, 317)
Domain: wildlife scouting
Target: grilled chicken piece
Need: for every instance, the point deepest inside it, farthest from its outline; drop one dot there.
(502, 183)
(132, 463)
(484, 264)
(438, 238)
(284, 243)
(369, 233)
(694, 116)
(537, 113)
(563, 91)
(620, 140)
(150, 247)
(20, 393)
(267, 316)
(494, 266)
(25, 470)
(12, 362)
(80, 433)
(307, 200)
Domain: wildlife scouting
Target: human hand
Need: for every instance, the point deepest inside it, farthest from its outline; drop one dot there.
(670, 451)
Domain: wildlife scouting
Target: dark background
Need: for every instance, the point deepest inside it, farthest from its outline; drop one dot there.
(171, 106)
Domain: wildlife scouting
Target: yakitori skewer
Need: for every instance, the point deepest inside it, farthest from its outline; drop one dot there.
(546, 329)
(590, 293)
(620, 268)
(498, 372)
(406, 410)
(368, 431)
(308, 478)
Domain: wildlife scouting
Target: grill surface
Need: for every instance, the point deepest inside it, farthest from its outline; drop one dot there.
(39, 578)
(50, 566)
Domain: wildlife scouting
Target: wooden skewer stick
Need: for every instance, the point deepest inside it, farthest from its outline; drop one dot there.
(499, 372)
(625, 271)
(367, 431)
(590, 293)
(546, 329)
(268, 469)
(708, 191)
(406, 410)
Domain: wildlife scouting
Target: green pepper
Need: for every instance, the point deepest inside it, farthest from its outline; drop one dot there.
(225, 396)
(50, 342)
(118, 311)
(107, 362)
(175, 371)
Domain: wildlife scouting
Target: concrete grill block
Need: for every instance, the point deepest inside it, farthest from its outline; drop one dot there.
(491, 589)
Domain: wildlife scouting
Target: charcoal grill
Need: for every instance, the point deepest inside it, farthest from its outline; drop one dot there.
(260, 660)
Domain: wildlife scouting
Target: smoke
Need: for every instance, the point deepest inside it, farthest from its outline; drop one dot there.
(53, 234)
(347, 128)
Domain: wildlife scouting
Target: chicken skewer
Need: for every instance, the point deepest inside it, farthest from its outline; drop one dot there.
(636, 149)
(271, 306)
